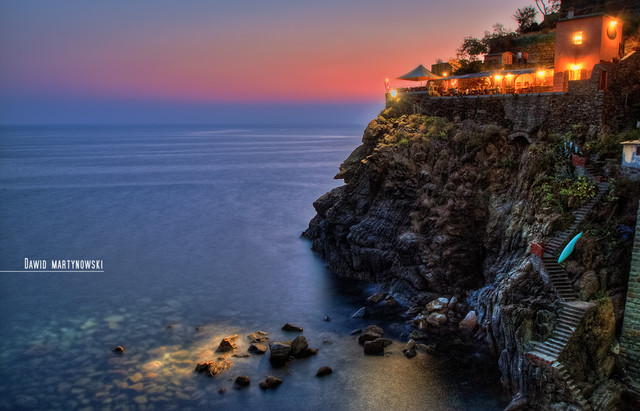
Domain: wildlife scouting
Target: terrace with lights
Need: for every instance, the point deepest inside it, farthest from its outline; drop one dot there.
(539, 58)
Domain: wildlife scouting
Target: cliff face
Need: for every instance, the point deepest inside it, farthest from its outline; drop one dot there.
(432, 207)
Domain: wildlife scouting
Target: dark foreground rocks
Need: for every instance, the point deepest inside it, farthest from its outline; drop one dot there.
(270, 383)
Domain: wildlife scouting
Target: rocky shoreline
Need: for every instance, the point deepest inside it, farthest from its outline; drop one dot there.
(442, 214)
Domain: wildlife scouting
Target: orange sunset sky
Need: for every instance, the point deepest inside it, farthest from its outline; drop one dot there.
(206, 52)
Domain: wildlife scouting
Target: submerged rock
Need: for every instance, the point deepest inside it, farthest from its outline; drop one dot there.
(214, 367)
(242, 381)
(322, 371)
(270, 383)
(291, 327)
(376, 298)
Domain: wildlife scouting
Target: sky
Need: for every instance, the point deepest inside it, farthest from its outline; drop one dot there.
(209, 61)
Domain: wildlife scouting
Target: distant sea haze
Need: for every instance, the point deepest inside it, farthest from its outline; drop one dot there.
(187, 235)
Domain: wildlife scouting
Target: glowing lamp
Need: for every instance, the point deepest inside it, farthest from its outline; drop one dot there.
(613, 23)
(541, 73)
(575, 67)
(509, 75)
(445, 74)
(394, 93)
(386, 80)
(577, 37)
(498, 77)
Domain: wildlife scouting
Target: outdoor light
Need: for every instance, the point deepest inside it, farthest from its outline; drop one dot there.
(541, 73)
(575, 67)
(498, 77)
(394, 93)
(613, 23)
(445, 74)
(386, 80)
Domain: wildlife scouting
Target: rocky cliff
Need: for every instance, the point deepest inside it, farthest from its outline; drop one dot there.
(432, 207)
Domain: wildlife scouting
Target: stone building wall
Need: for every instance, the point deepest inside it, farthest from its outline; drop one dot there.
(630, 338)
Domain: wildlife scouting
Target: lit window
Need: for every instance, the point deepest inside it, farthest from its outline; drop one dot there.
(577, 37)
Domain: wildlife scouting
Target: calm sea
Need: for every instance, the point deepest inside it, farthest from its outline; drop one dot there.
(199, 230)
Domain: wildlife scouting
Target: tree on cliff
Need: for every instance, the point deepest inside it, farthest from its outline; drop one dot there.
(526, 19)
(547, 7)
(471, 48)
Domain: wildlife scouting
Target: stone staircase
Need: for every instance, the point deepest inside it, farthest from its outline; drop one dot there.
(570, 385)
(572, 310)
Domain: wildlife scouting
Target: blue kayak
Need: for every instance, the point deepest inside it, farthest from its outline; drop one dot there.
(569, 248)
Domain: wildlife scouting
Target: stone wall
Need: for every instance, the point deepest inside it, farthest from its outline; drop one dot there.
(584, 103)
(630, 338)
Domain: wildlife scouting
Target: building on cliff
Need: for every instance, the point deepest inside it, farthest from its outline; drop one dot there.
(581, 43)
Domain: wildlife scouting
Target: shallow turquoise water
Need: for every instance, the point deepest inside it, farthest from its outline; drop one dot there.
(197, 227)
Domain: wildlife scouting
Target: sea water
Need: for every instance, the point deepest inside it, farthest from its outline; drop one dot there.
(198, 229)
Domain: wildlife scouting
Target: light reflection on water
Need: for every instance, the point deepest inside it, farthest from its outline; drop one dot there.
(191, 237)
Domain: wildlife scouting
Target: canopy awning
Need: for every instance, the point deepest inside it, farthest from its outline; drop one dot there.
(420, 73)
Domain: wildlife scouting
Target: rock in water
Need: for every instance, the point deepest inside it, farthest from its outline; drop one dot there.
(368, 336)
(257, 348)
(270, 383)
(376, 298)
(410, 349)
(308, 352)
(280, 352)
(226, 345)
(215, 367)
(470, 321)
(291, 327)
(322, 371)
(374, 347)
(242, 381)
(258, 337)
(298, 345)
(374, 329)
(118, 349)
(361, 313)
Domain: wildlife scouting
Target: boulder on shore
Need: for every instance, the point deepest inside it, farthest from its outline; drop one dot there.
(368, 336)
